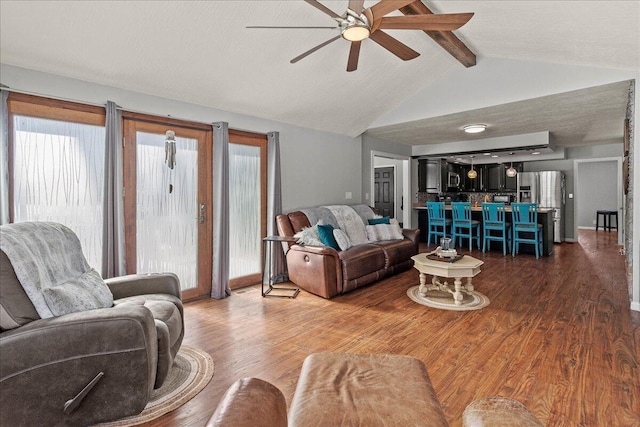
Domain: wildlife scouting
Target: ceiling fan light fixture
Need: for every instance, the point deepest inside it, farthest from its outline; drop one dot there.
(355, 33)
(477, 128)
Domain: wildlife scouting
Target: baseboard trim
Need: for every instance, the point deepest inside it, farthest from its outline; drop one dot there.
(635, 306)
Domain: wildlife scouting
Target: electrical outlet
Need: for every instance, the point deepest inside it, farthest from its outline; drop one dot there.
(348, 195)
(594, 222)
(366, 196)
(571, 195)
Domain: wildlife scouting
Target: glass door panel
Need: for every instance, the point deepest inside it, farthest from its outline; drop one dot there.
(167, 208)
(245, 209)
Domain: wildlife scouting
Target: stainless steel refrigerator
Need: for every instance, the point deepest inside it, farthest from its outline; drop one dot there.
(547, 189)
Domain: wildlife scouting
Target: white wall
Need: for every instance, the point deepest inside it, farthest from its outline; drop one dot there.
(597, 190)
(317, 167)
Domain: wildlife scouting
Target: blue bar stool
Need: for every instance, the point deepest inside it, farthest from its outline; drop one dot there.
(525, 220)
(463, 225)
(493, 221)
(438, 223)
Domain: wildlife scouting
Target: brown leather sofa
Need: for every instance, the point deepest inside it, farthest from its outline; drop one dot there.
(327, 272)
(117, 355)
(358, 390)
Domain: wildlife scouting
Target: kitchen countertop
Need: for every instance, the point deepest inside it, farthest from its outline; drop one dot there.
(478, 208)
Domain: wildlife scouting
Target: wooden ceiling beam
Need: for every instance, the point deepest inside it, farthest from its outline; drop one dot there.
(449, 41)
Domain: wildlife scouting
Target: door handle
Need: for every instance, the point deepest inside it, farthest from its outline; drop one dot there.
(201, 217)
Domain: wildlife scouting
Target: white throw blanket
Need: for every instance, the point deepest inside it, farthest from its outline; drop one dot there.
(47, 255)
(350, 222)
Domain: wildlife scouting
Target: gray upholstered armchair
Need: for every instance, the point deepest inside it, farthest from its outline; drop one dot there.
(86, 366)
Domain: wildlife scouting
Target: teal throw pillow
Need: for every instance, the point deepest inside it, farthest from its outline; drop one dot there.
(383, 220)
(326, 236)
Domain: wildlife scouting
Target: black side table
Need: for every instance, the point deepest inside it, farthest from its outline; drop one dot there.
(268, 244)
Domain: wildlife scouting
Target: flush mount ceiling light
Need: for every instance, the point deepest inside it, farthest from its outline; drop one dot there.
(472, 174)
(474, 128)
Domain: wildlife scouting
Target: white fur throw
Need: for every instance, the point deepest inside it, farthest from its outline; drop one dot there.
(47, 255)
(384, 232)
(309, 236)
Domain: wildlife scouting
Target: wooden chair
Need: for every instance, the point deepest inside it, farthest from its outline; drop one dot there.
(493, 220)
(438, 223)
(463, 225)
(525, 227)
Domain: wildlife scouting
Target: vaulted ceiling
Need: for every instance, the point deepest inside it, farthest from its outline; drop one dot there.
(201, 52)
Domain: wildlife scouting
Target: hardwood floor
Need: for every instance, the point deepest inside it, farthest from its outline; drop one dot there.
(558, 336)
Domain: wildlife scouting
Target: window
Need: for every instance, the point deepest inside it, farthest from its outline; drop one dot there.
(56, 156)
(247, 206)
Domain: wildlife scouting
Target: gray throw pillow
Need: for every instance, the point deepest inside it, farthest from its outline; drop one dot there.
(342, 239)
(87, 292)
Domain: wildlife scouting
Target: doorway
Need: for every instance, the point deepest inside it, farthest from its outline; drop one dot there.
(401, 185)
(598, 186)
(384, 185)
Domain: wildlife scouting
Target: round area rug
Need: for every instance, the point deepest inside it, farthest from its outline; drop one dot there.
(444, 300)
(191, 372)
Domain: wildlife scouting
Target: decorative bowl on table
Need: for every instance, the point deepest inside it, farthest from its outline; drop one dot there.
(449, 253)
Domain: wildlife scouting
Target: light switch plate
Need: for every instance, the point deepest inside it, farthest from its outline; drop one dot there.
(571, 195)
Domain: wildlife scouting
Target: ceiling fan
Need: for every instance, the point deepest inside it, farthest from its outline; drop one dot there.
(358, 24)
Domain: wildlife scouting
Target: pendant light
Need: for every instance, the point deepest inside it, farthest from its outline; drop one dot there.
(511, 172)
(472, 174)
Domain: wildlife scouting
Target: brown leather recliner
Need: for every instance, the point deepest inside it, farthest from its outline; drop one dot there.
(89, 366)
(326, 272)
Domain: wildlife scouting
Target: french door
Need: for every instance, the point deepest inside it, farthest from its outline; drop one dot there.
(168, 209)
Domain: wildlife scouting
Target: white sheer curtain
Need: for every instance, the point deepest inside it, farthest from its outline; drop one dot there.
(220, 268)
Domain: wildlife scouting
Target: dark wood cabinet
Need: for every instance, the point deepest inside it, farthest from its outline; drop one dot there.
(422, 175)
(472, 184)
(497, 179)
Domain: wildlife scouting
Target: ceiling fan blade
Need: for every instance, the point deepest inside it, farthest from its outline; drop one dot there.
(394, 46)
(354, 53)
(311, 28)
(385, 6)
(356, 6)
(323, 8)
(310, 51)
(444, 22)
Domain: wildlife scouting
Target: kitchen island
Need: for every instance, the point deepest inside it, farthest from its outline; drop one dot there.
(545, 217)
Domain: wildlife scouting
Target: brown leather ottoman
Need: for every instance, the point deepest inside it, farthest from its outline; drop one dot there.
(364, 389)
